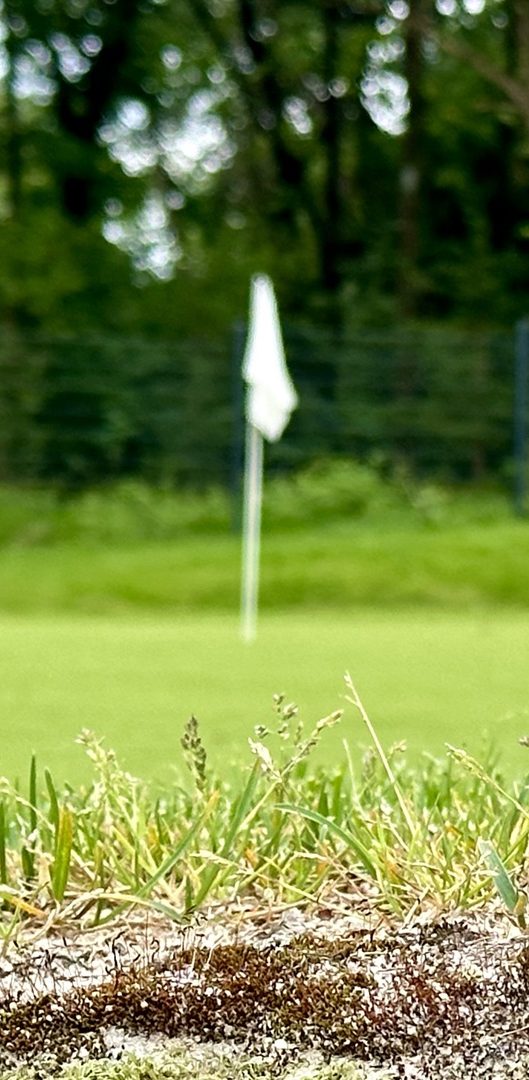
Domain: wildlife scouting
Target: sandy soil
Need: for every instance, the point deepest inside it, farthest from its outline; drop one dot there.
(437, 997)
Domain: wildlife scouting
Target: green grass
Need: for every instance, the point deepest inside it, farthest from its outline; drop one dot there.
(428, 677)
(443, 833)
(429, 612)
(433, 621)
(339, 564)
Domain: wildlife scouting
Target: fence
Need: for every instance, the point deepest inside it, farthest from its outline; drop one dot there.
(79, 412)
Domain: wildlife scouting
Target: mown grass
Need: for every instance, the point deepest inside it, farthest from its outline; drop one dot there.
(430, 677)
(443, 834)
(338, 564)
(337, 533)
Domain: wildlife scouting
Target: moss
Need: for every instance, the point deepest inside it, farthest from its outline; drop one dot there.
(420, 994)
(185, 1063)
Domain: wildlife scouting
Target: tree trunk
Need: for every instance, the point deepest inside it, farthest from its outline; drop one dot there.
(330, 232)
(82, 106)
(520, 24)
(412, 166)
(13, 139)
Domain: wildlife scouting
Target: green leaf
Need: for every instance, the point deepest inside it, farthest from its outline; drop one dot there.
(356, 845)
(54, 802)
(509, 893)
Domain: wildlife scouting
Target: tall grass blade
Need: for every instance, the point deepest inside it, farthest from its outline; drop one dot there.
(355, 845)
(53, 813)
(242, 806)
(28, 850)
(3, 844)
(358, 704)
(170, 862)
(63, 853)
(513, 899)
(32, 801)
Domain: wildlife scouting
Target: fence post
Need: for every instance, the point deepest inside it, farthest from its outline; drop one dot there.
(237, 454)
(521, 378)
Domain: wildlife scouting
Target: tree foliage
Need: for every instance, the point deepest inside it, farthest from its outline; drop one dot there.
(371, 154)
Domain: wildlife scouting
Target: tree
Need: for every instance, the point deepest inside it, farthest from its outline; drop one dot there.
(354, 148)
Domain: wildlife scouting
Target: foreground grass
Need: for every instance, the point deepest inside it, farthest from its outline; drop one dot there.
(385, 840)
(442, 834)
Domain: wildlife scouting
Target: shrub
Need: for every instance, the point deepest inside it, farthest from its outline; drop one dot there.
(329, 488)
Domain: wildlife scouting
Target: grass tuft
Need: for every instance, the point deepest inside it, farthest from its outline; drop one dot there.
(445, 833)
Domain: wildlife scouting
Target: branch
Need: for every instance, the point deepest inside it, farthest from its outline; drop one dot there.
(513, 89)
(260, 92)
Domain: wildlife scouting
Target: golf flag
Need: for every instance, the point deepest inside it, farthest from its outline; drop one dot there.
(270, 400)
(271, 395)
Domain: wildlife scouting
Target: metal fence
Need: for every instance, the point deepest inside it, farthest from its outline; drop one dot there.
(79, 412)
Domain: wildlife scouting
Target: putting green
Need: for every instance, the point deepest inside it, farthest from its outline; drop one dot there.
(425, 676)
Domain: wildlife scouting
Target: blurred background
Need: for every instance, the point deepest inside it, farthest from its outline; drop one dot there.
(372, 156)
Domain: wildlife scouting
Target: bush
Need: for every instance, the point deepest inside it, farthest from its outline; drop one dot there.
(27, 517)
(328, 488)
(134, 511)
(131, 511)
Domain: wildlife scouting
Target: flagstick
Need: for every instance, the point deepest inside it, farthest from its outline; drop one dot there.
(251, 534)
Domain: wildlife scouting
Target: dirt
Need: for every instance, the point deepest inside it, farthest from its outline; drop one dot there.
(436, 997)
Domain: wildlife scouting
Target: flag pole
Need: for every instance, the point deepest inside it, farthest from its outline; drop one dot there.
(270, 400)
(251, 534)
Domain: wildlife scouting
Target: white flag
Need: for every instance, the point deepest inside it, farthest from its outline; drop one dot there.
(271, 395)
